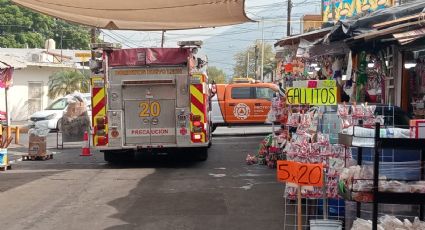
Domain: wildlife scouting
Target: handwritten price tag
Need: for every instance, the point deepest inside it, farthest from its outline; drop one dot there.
(300, 173)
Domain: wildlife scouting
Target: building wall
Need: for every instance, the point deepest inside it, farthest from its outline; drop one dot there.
(18, 94)
(311, 22)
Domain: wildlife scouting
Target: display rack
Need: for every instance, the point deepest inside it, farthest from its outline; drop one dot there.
(380, 197)
(389, 197)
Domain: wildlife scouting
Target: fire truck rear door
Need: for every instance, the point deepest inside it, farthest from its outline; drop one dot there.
(150, 117)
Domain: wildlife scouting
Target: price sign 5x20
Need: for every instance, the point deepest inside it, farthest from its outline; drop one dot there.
(303, 174)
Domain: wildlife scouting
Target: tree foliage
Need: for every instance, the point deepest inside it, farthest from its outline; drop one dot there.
(20, 28)
(254, 62)
(67, 81)
(216, 74)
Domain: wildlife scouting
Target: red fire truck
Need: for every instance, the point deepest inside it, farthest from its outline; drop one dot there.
(150, 100)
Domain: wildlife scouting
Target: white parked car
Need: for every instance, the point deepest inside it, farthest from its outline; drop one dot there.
(52, 115)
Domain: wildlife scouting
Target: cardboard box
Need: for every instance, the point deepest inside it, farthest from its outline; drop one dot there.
(417, 128)
(35, 138)
(37, 148)
(37, 145)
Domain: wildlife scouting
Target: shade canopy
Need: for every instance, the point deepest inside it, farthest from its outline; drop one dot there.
(143, 14)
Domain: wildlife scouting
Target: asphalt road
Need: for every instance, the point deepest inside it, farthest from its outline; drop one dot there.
(156, 192)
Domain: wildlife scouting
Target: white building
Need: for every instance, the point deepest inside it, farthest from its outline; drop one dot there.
(32, 68)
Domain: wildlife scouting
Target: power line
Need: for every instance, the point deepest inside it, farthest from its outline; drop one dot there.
(117, 40)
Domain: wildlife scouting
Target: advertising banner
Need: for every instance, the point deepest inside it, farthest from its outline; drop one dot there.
(349, 8)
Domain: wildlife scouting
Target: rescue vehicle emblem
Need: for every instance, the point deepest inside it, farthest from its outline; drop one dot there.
(241, 111)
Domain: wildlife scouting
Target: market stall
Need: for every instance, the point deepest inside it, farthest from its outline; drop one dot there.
(6, 72)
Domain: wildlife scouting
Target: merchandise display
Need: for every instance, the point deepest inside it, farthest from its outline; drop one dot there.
(356, 182)
(378, 183)
(389, 223)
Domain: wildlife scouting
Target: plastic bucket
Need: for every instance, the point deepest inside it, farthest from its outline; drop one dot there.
(325, 225)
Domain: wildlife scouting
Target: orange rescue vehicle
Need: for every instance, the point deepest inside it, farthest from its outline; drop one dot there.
(242, 103)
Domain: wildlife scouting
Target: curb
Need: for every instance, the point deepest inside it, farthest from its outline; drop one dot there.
(241, 134)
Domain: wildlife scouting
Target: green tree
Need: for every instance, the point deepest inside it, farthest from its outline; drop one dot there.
(254, 62)
(67, 81)
(216, 74)
(20, 27)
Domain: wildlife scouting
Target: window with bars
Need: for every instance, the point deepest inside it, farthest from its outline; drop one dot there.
(35, 97)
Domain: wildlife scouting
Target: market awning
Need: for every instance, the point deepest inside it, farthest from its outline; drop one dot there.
(334, 48)
(143, 14)
(310, 36)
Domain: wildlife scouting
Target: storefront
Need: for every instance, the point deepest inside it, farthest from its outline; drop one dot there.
(378, 58)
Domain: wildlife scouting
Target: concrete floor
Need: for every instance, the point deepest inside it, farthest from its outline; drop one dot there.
(156, 192)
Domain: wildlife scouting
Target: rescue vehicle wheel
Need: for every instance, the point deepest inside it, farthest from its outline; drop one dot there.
(201, 154)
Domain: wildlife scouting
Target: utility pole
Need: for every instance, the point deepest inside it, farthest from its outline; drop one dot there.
(288, 23)
(262, 50)
(93, 40)
(247, 64)
(256, 62)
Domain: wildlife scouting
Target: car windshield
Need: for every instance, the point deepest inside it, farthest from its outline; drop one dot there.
(58, 104)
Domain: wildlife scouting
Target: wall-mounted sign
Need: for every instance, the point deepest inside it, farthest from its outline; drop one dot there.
(348, 8)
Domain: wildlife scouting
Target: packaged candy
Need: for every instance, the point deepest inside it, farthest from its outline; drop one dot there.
(369, 122)
(369, 110)
(250, 160)
(294, 119)
(323, 139)
(343, 110)
(346, 122)
(357, 111)
(305, 120)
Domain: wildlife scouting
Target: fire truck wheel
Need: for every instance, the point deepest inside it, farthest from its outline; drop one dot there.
(202, 154)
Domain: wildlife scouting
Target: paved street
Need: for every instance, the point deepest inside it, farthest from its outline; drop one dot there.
(157, 192)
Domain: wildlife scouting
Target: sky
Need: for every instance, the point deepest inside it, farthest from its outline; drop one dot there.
(222, 43)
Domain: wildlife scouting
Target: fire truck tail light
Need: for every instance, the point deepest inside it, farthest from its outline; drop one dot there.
(197, 137)
(102, 140)
(100, 132)
(196, 118)
(101, 120)
(197, 123)
(100, 126)
(197, 129)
